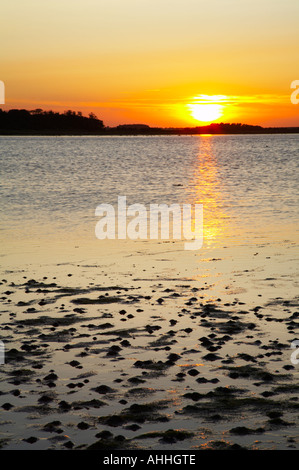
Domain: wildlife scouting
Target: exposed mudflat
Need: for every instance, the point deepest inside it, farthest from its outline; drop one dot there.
(145, 364)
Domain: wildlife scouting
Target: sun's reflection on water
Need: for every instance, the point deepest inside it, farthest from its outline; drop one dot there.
(206, 189)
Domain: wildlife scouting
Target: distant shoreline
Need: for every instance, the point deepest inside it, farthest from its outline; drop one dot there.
(151, 132)
(39, 122)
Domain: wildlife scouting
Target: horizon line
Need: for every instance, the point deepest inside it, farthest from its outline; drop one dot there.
(143, 126)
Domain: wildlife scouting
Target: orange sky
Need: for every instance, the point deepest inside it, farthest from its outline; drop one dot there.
(151, 61)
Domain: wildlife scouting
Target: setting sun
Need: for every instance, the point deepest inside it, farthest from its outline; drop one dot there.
(205, 108)
(206, 112)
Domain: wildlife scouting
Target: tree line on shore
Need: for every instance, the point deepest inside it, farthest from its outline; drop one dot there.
(37, 121)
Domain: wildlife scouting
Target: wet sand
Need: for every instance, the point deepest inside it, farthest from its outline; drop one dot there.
(154, 348)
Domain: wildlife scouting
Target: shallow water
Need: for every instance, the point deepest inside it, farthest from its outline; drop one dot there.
(50, 186)
(245, 273)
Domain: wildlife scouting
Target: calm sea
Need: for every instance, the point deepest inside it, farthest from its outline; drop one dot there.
(155, 292)
(248, 184)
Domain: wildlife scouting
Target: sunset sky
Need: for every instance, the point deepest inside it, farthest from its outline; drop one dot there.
(157, 62)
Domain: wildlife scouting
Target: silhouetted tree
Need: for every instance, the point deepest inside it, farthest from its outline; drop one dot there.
(39, 121)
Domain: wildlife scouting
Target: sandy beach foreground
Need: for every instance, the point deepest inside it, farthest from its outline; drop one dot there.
(156, 349)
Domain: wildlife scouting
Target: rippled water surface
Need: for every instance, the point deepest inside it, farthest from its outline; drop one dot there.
(50, 186)
(156, 344)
